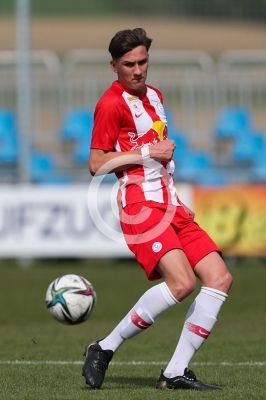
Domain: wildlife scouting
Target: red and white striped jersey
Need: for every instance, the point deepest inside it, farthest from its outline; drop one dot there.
(124, 122)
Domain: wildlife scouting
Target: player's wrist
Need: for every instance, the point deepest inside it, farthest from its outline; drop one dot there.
(145, 152)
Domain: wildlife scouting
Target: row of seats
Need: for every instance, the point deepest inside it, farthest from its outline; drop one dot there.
(9, 147)
(248, 144)
(77, 127)
(42, 165)
(233, 124)
(236, 124)
(245, 160)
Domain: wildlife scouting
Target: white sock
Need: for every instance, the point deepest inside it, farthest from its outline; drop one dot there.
(200, 320)
(152, 304)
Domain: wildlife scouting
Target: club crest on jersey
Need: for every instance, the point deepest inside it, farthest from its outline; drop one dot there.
(160, 108)
(134, 103)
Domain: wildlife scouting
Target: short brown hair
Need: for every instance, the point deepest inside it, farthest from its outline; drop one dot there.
(126, 40)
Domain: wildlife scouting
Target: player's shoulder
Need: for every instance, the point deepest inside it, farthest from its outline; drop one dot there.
(110, 103)
(111, 95)
(116, 89)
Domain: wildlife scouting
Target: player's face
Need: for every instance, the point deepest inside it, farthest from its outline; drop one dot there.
(132, 69)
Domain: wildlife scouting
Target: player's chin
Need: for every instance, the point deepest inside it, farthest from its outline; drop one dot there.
(139, 86)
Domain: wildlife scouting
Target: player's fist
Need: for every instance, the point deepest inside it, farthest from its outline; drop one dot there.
(163, 150)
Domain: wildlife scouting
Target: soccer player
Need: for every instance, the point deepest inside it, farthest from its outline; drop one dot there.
(130, 138)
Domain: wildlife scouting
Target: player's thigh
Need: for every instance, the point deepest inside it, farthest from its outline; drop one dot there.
(177, 273)
(212, 272)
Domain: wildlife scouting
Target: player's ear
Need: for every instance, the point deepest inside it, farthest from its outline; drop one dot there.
(113, 66)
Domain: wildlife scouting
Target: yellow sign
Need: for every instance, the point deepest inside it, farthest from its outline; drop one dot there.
(234, 217)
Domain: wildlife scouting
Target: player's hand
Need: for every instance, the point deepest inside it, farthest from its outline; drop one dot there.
(163, 151)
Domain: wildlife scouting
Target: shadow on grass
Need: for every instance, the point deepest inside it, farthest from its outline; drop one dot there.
(125, 382)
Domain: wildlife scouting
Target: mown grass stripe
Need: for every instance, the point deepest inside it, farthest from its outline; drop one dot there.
(130, 363)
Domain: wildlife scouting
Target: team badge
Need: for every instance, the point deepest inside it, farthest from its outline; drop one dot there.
(134, 103)
(160, 108)
(156, 247)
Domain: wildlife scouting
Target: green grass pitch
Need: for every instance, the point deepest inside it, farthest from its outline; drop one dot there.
(42, 359)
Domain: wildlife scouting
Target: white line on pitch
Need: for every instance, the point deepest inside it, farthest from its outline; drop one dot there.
(206, 364)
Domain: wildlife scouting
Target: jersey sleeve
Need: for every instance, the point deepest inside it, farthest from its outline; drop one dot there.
(107, 123)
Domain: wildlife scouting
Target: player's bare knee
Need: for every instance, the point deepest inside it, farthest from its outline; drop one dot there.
(191, 286)
(228, 280)
(183, 289)
(221, 282)
(187, 290)
(225, 282)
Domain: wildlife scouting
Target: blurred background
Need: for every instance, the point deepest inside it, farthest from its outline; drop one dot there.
(209, 60)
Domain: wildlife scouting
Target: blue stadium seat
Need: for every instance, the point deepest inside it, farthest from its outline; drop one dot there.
(77, 123)
(82, 150)
(247, 146)
(174, 133)
(231, 122)
(181, 141)
(42, 162)
(43, 169)
(191, 165)
(77, 126)
(258, 170)
(170, 119)
(9, 146)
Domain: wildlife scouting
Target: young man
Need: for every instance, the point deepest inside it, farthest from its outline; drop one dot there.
(130, 138)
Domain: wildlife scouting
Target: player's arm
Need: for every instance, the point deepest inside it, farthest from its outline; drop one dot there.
(104, 162)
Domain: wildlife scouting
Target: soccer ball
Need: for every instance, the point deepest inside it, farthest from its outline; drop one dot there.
(70, 299)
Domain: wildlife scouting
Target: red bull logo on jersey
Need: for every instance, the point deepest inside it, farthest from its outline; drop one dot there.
(157, 133)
